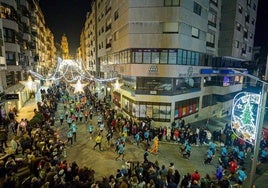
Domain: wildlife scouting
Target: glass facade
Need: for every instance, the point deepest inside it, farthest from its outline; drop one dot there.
(157, 111)
(186, 107)
(162, 56)
(226, 80)
(167, 86)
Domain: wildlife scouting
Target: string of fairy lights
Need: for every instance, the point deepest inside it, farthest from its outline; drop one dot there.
(71, 71)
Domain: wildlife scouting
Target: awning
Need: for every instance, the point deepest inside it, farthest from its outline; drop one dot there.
(15, 88)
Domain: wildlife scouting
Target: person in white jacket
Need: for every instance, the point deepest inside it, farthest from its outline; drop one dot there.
(14, 145)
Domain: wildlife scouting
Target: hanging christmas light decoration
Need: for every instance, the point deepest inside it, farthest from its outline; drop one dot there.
(117, 85)
(244, 115)
(30, 85)
(70, 70)
(78, 87)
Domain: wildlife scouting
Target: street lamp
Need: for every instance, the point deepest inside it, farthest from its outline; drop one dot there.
(259, 123)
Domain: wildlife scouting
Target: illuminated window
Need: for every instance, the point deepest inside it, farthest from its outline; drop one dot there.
(212, 18)
(210, 40)
(195, 32)
(170, 27)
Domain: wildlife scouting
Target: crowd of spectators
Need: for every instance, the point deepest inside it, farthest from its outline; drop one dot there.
(38, 152)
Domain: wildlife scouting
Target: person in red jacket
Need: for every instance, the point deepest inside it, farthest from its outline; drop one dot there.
(195, 176)
(232, 167)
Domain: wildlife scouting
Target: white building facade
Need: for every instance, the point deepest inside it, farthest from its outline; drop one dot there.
(167, 56)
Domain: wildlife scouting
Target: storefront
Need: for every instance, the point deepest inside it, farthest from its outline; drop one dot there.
(117, 99)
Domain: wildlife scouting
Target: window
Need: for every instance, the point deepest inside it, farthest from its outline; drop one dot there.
(250, 35)
(236, 44)
(116, 35)
(214, 2)
(155, 57)
(245, 34)
(210, 40)
(171, 3)
(254, 6)
(195, 32)
(184, 57)
(147, 56)
(208, 100)
(249, 49)
(238, 26)
(249, 3)
(186, 107)
(240, 9)
(108, 24)
(212, 18)
(172, 57)
(244, 49)
(163, 56)
(253, 21)
(8, 12)
(170, 27)
(188, 59)
(138, 57)
(10, 58)
(116, 15)
(197, 8)
(9, 35)
(247, 17)
(180, 57)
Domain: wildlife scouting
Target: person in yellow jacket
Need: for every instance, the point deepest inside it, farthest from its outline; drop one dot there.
(154, 149)
(98, 141)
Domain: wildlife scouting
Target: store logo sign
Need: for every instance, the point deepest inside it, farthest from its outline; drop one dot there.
(153, 69)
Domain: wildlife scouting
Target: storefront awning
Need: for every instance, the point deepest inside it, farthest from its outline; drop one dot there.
(15, 88)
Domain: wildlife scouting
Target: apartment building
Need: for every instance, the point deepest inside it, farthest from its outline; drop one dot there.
(50, 50)
(3, 66)
(24, 42)
(175, 58)
(238, 28)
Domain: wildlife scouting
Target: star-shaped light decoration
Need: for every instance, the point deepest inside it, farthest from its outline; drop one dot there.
(29, 84)
(78, 87)
(117, 85)
(236, 125)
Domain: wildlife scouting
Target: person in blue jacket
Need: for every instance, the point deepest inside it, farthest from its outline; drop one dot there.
(146, 136)
(209, 156)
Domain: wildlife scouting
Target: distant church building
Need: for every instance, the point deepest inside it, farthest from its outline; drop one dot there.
(64, 47)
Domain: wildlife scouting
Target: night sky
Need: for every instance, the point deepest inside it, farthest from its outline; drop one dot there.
(261, 32)
(68, 16)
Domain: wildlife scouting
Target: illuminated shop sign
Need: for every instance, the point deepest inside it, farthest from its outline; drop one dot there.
(219, 71)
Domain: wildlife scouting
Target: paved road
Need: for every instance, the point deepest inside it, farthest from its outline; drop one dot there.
(104, 163)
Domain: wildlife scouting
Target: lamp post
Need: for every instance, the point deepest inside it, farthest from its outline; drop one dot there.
(259, 123)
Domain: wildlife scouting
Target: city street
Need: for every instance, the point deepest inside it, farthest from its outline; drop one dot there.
(104, 163)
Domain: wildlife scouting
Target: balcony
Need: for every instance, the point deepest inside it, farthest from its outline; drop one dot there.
(109, 45)
(212, 24)
(108, 27)
(214, 2)
(210, 44)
